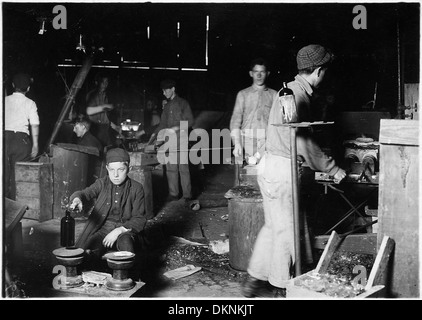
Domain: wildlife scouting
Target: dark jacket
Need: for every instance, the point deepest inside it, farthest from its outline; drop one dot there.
(89, 140)
(132, 210)
(176, 110)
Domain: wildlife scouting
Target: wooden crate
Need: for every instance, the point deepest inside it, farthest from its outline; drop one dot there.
(398, 210)
(376, 283)
(34, 188)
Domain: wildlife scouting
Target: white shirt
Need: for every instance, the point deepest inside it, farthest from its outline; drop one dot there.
(20, 113)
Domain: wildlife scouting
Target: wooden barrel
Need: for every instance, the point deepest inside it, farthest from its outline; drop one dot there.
(246, 217)
(143, 175)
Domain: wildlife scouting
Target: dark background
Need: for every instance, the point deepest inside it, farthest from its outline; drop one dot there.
(237, 33)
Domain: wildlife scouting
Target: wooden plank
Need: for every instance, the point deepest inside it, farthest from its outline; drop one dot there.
(31, 202)
(399, 216)
(27, 171)
(373, 292)
(15, 242)
(245, 221)
(402, 132)
(27, 189)
(14, 213)
(33, 214)
(379, 272)
(46, 192)
(365, 243)
(87, 290)
(76, 147)
(331, 247)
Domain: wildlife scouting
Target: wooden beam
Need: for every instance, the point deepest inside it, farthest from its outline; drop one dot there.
(409, 133)
(365, 243)
(331, 247)
(379, 272)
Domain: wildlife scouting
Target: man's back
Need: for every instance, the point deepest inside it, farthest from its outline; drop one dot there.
(19, 112)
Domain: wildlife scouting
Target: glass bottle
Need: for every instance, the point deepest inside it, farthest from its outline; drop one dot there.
(67, 230)
(287, 104)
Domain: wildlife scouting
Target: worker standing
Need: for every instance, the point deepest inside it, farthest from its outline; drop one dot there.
(175, 111)
(21, 129)
(249, 120)
(273, 256)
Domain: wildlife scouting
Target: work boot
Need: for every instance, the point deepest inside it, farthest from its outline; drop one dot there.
(253, 287)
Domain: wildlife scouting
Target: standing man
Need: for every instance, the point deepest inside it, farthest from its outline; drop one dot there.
(98, 108)
(249, 120)
(174, 112)
(21, 129)
(273, 257)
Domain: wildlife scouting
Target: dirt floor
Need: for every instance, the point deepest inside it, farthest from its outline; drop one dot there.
(176, 237)
(168, 244)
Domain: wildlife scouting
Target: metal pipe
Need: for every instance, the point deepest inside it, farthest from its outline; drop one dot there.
(77, 84)
(295, 194)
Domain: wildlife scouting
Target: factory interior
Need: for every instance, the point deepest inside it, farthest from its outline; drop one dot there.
(200, 249)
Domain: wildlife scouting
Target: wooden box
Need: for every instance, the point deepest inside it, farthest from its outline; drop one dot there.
(398, 210)
(376, 283)
(34, 187)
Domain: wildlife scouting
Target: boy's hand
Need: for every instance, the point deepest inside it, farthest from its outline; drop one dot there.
(76, 203)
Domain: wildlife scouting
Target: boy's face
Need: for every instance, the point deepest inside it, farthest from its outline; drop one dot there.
(103, 84)
(117, 172)
(259, 74)
(79, 129)
(168, 93)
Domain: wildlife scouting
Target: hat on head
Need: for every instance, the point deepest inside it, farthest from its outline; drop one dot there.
(117, 155)
(313, 55)
(167, 84)
(22, 81)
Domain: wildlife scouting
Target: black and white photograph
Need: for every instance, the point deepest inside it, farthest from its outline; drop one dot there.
(211, 156)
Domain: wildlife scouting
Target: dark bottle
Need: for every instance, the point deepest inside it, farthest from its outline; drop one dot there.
(287, 104)
(67, 231)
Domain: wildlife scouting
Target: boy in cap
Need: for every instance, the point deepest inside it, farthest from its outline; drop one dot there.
(118, 215)
(273, 256)
(21, 129)
(174, 112)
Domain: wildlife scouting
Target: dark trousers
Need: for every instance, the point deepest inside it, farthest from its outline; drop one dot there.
(125, 241)
(18, 148)
(172, 172)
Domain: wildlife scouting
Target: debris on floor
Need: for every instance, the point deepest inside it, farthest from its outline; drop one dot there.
(182, 272)
(220, 246)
